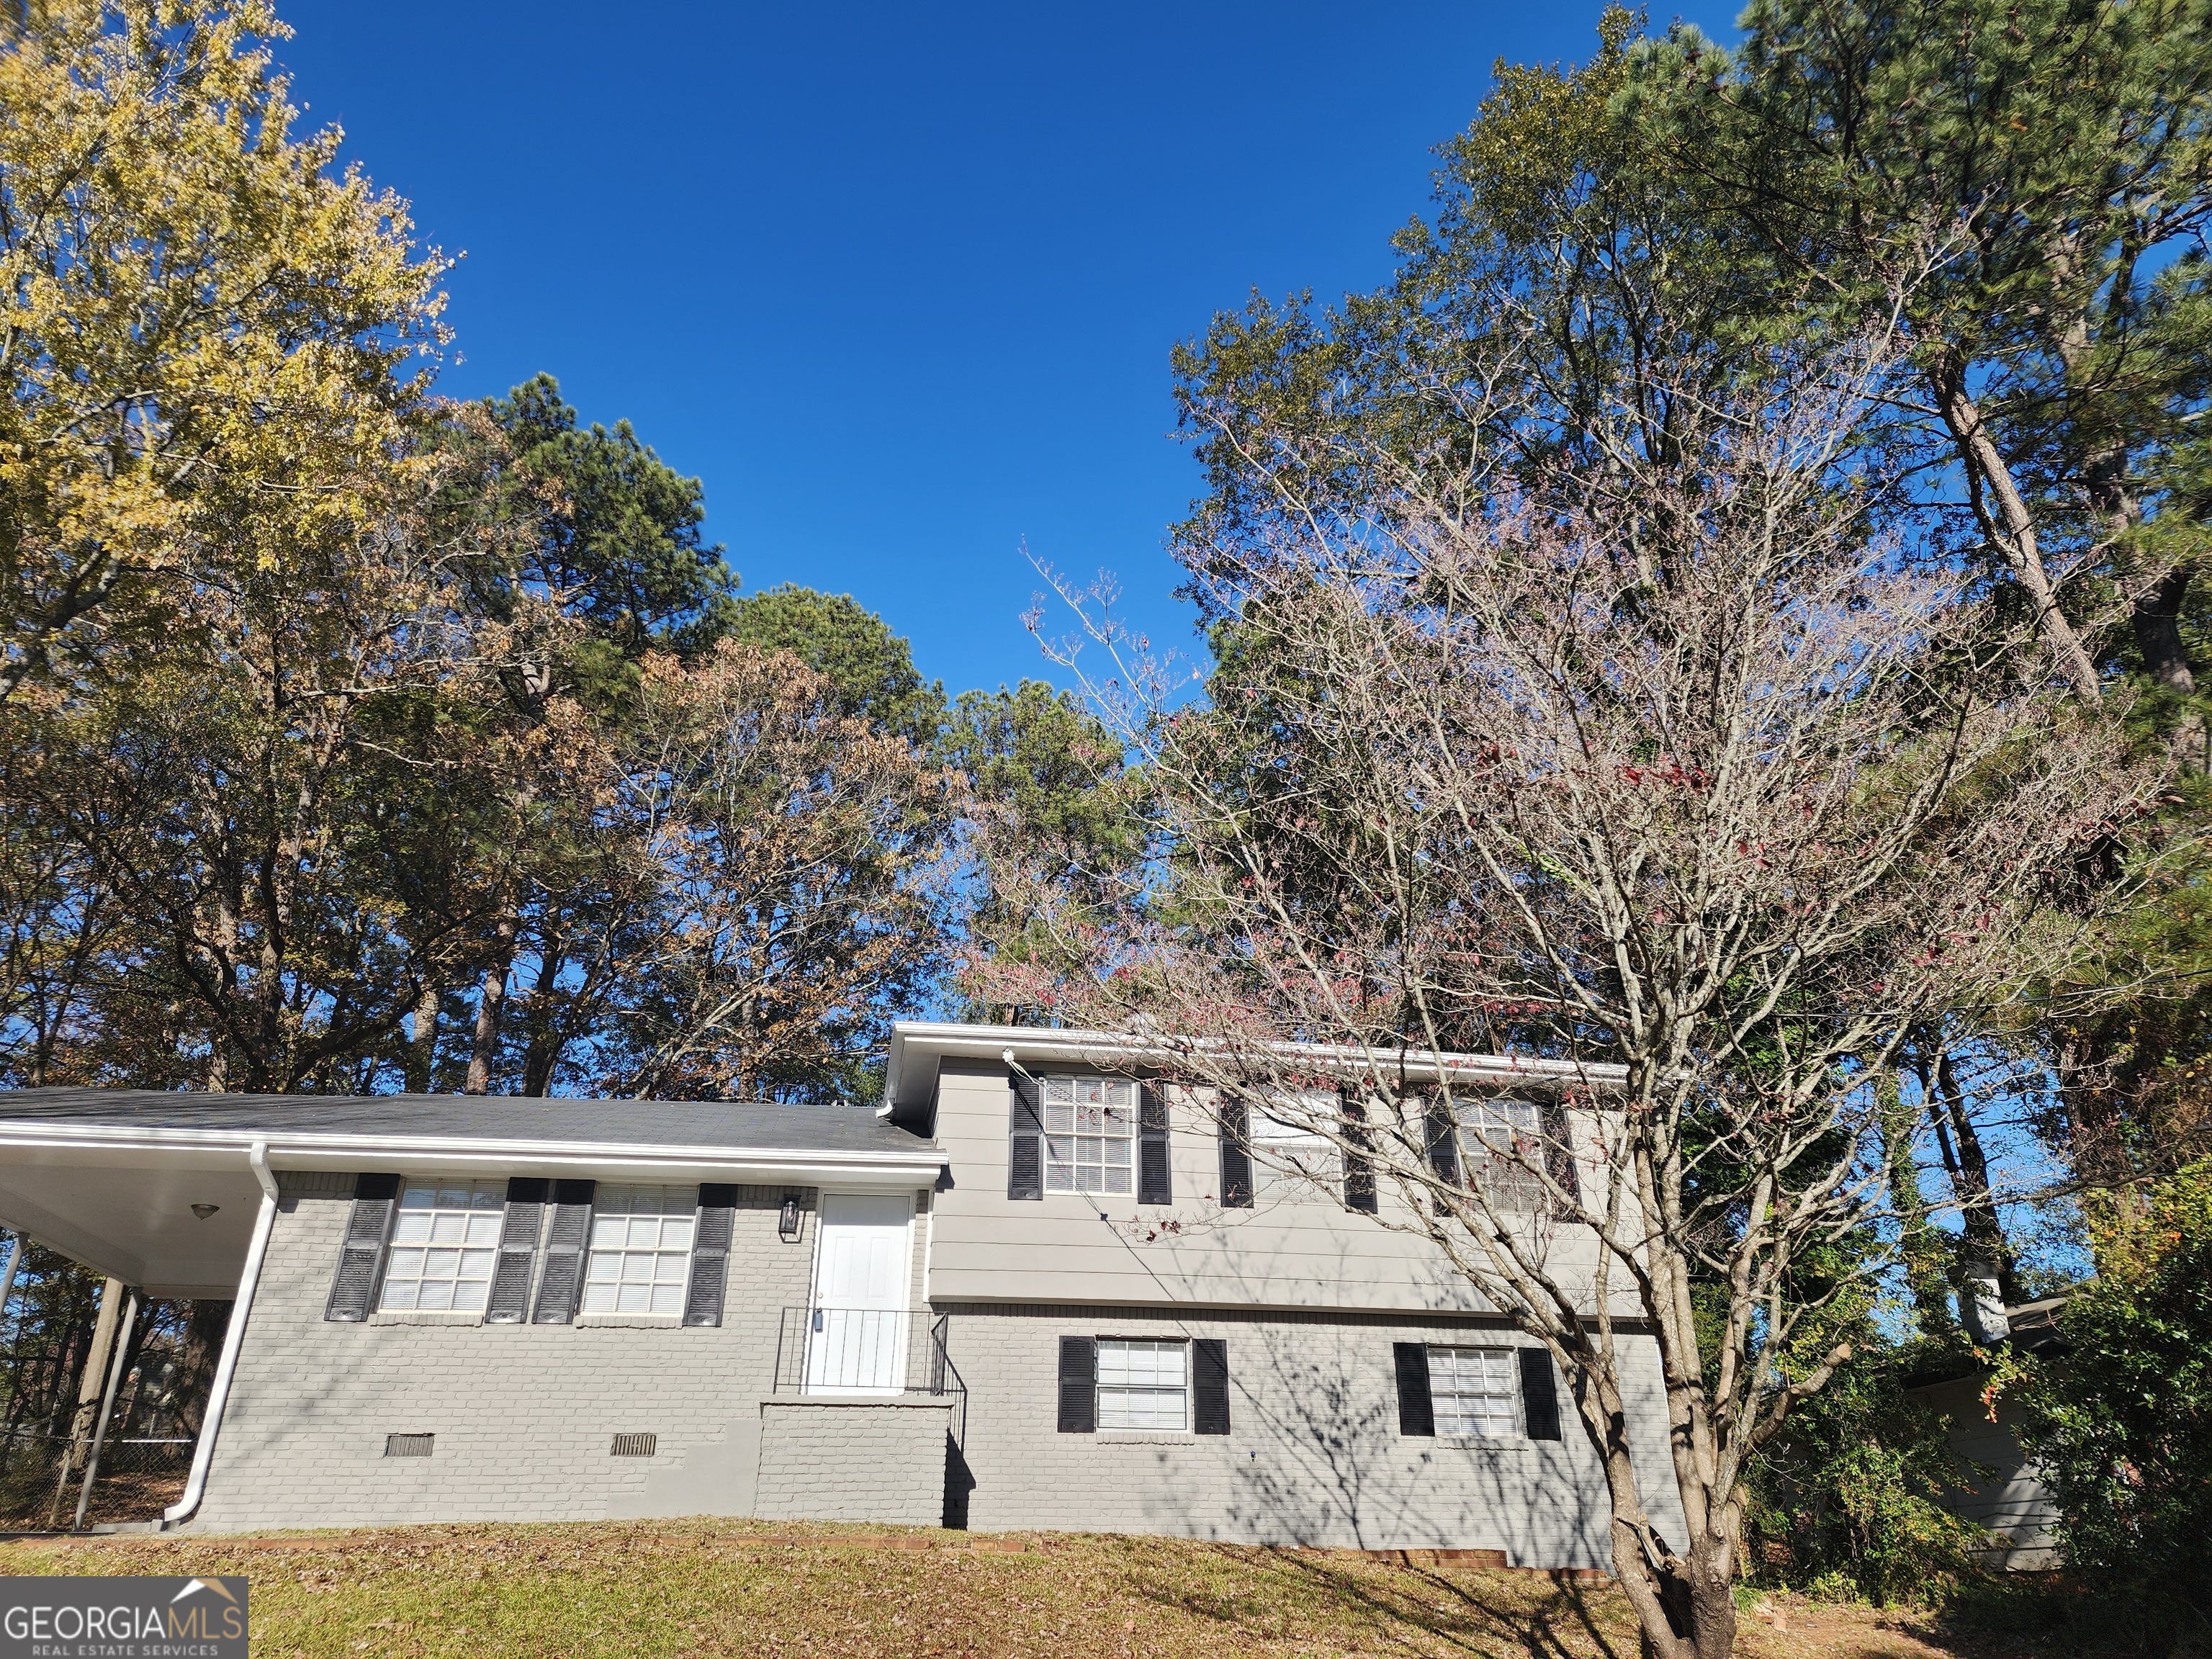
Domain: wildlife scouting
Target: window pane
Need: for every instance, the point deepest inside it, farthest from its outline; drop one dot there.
(1089, 1139)
(640, 1250)
(443, 1244)
(1473, 1391)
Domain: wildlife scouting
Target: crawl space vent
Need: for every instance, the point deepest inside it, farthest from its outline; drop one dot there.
(635, 1445)
(408, 1445)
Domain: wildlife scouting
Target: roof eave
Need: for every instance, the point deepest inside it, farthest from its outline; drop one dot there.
(907, 1084)
(351, 1152)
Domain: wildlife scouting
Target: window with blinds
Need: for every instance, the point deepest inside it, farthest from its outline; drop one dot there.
(641, 1255)
(445, 1242)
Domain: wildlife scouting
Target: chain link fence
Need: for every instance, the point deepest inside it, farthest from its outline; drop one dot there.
(42, 1474)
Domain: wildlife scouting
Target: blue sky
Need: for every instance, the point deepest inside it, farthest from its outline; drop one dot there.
(899, 283)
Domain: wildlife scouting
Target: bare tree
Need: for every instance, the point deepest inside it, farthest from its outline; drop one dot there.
(802, 859)
(1659, 761)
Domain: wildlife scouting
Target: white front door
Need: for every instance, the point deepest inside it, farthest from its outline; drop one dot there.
(856, 1343)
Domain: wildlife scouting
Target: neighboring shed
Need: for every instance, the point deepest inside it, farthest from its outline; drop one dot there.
(2010, 1499)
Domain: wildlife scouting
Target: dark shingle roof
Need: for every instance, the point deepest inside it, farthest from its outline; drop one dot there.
(733, 1125)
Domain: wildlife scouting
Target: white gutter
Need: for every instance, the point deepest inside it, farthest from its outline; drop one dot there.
(233, 1339)
(799, 1166)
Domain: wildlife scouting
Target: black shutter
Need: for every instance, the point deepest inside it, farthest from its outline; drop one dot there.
(1358, 1167)
(1154, 1185)
(1559, 1154)
(1444, 1140)
(1078, 1384)
(1209, 1386)
(353, 1292)
(1236, 1156)
(561, 1287)
(1417, 1414)
(710, 1254)
(1025, 1143)
(509, 1303)
(1539, 1394)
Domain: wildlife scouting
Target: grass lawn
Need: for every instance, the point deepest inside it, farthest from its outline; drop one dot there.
(778, 1592)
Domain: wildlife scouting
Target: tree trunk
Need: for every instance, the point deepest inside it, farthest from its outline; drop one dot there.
(483, 1052)
(1984, 1231)
(423, 1041)
(2157, 617)
(2010, 526)
(543, 1052)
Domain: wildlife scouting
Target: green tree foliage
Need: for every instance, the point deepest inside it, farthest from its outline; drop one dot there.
(2121, 1419)
(1848, 1503)
(1051, 801)
(325, 705)
(616, 538)
(833, 634)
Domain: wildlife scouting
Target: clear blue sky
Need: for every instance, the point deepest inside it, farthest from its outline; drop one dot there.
(898, 282)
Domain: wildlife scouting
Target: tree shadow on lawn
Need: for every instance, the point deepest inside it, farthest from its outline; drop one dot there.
(1472, 1612)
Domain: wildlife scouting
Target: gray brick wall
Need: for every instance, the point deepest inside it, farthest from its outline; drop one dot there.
(1314, 1456)
(524, 1415)
(853, 1461)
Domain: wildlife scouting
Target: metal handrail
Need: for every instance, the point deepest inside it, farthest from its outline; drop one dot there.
(822, 1349)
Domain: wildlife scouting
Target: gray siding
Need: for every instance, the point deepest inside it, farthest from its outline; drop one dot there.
(1088, 1247)
(1314, 1455)
(524, 1415)
(2011, 1499)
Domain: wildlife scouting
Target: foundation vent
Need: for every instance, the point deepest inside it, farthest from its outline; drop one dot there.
(635, 1445)
(408, 1445)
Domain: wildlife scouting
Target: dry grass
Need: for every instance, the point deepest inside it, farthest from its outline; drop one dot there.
(782, 1592)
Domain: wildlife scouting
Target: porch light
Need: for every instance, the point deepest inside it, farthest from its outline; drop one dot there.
(204, 1210)
(787, 1220)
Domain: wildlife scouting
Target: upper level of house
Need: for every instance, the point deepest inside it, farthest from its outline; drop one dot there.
(1078, 1171)
(1006, 1165)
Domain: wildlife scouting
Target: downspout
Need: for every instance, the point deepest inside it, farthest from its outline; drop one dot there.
(233, 1339)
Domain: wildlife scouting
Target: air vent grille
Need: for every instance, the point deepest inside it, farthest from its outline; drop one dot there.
(408, 1445)
(635, 1445)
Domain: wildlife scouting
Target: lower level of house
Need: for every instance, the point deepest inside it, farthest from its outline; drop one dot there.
(1255, 1426)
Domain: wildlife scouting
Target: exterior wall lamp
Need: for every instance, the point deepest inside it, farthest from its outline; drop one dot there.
(787, 1220)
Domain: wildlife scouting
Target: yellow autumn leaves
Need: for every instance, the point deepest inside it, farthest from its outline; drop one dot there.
(207, 335)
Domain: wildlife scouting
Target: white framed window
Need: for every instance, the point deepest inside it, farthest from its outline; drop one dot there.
(1489, 1132)
(1291, 1160)
(640, 1250)
(1474, 1392)
(1090, 1134)
(1143, 1385)
(445, 1242)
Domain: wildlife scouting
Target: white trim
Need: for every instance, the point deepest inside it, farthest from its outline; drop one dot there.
(447, 1154)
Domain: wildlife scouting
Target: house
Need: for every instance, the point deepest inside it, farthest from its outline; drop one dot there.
(1040, 1287)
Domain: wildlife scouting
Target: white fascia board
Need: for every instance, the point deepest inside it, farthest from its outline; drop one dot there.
(124, 1145)
(917, 1046)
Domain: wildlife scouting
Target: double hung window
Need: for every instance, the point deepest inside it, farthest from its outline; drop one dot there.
(1090, 1132)
(1144, 1385)
(1500, 1139)
(1474, 1391)
(445, 1242)
(640, 1250)
(1291, 1159)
